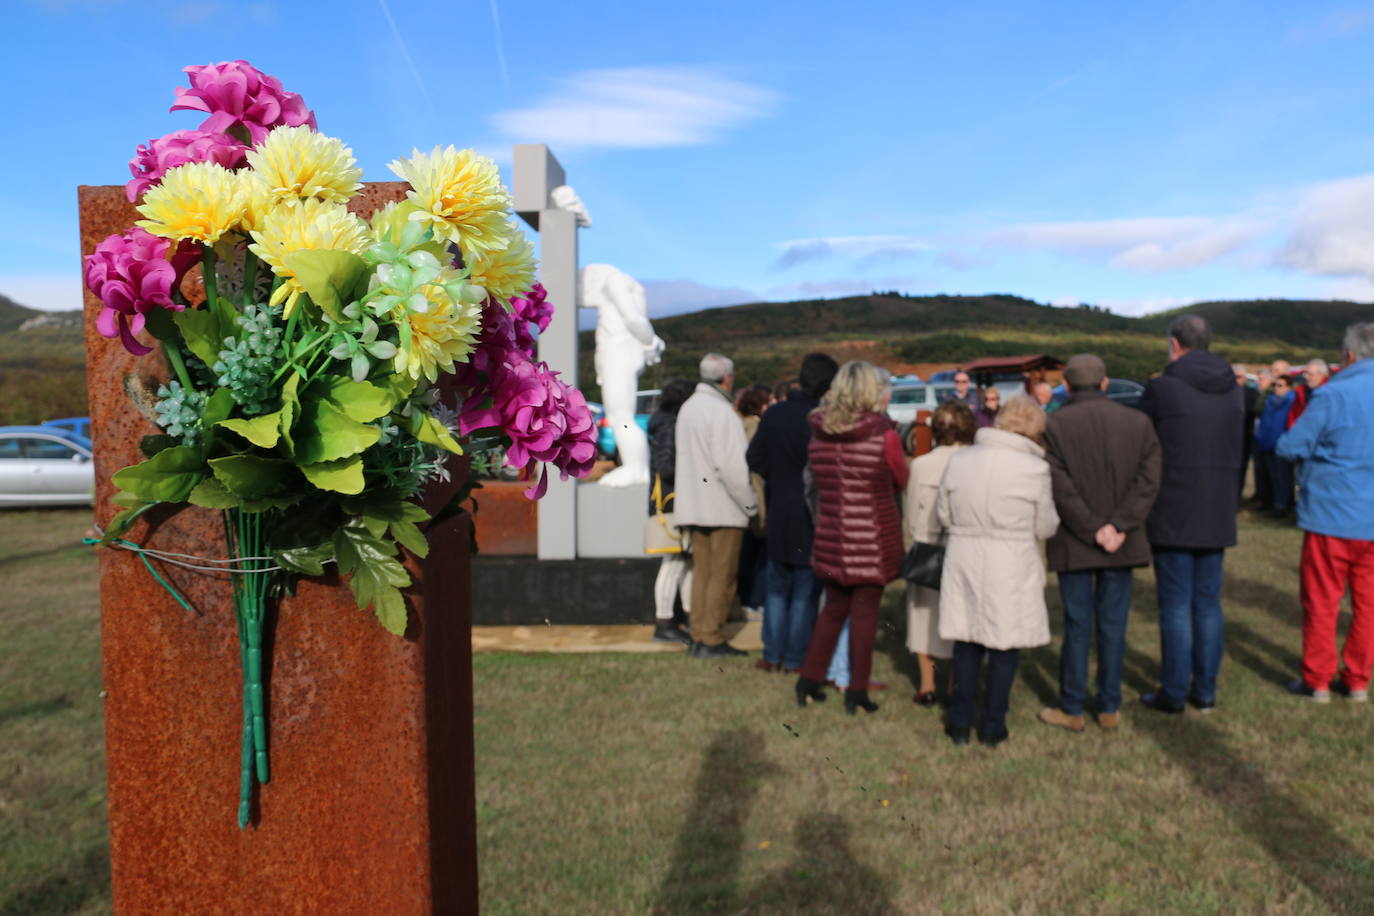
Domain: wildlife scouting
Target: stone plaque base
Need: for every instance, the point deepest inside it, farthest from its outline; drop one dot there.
(610, 520)
(510, 591)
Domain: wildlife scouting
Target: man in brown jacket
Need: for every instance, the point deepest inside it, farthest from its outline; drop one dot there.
(1105, 466)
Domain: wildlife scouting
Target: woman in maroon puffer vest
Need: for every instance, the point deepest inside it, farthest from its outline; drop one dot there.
(858, 467)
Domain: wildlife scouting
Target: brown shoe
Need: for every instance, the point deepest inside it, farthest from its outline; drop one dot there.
(1057, 717)
(767, 666)
(1109, 720)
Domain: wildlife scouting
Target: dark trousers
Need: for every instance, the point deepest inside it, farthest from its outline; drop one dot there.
(1096, 602)
(1281, 480)
(1264, 488)
(859, 605)
(968, 662)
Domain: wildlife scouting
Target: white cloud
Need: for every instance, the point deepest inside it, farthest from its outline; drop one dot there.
(50, 292)
(852, 286)
(1142, 243)
(672, 297)
(867, 247)
(1146, 305)
(638, 108)
(1333, 229)
(1354, 289)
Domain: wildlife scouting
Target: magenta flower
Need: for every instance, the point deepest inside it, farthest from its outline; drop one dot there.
(237, 94)
(533, 308)
(131, 274)
(545, 419)
(152, 160)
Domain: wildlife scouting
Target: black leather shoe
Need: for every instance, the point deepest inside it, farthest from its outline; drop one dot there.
(809, 689)
(1158, 703)
(957, 733)
(671, 632)
(720, 650)
(924, 698)
(855, 700)
(1202, 705)
(992, 739)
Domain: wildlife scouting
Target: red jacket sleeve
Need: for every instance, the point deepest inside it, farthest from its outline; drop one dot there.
(896, 459)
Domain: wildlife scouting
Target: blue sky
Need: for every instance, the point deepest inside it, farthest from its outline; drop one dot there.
(1139, 156)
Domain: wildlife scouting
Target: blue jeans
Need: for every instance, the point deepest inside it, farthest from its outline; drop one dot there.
(791, 594)
(968, 662)
(1190, 627)
(838, 672)
(1095, 601)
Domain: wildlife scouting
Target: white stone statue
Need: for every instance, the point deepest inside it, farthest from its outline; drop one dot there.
(625, 344)
(565, 198)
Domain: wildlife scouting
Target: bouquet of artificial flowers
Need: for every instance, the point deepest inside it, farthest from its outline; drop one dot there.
(334, 362)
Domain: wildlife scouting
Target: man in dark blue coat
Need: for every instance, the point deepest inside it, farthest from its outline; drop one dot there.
(1199, 416)
(778, 454)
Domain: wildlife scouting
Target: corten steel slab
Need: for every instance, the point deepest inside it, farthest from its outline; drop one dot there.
(507, 520)
(370, 808)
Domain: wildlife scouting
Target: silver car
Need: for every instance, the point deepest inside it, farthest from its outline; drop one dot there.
(910, 398)
(43, 466)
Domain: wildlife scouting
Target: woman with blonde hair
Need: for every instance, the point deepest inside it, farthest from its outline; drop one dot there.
(995, 503)
(951, 428)
(858, 468)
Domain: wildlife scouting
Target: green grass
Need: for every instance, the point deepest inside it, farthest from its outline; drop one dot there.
(662, 784)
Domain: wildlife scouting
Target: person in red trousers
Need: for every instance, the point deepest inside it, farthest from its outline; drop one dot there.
(1334, 442)
(858, 468)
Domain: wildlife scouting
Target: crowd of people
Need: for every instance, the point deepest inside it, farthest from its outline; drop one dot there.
(802, 499)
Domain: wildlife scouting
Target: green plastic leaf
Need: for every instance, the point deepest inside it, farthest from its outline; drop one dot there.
(151, 445)
(211, 494)
(397, 384)
(426, 428)
(218, 406)
(390, 608)
(252, 477)
(330, 278)
(124, 520)
(409, 536)
(290, 410)
(307, 561)
(169, 476)
(361, 401)
(159, 323)
(280, 501)
(326, 433)
(263, 431)
(200, 328)
(342, 476)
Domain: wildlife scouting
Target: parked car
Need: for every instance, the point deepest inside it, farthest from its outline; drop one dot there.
(79, 425)
(908, 399)
(1121, 390)
(45, 466)
(646, 402)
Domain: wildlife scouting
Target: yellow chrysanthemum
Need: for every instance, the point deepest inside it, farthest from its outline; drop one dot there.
(460, 194)
(296, 163)
(311, 224)
(257, 202)
(508, 271)
(439, 337)
(199, 201)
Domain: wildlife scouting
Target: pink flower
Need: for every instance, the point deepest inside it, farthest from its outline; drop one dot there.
(533, 308)
(545, 419)
(237, 94)
(154, 158)
(132, 274)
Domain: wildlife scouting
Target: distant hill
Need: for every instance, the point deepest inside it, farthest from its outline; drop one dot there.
(42, 364)
(916, 333)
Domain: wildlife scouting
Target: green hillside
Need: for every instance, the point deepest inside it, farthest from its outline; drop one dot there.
(42, 369)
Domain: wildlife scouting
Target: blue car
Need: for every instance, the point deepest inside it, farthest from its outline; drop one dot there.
(79, 425)
(645, 403)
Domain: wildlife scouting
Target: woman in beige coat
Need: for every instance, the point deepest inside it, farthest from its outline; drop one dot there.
(951, 427)
(995, 502)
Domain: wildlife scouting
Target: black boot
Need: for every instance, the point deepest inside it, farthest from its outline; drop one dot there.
(667, 631)
(854, 699)
(809, 688)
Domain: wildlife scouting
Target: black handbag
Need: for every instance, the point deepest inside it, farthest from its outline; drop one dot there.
(923, 564)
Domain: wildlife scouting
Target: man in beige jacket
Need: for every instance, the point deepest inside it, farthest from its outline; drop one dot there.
(714, 500)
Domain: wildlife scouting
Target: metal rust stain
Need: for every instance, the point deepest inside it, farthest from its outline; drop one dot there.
(371, 804)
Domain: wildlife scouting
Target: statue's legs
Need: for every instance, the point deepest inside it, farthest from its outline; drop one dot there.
(619, 373)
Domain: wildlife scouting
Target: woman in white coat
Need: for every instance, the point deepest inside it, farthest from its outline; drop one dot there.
(995, 503)
(952, 426)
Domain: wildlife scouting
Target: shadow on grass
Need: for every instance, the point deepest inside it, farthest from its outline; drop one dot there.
(704, 873)
(1040, 672)
(36, 554)
(1281, 605)
(823, 876)
(1269, 660)
(36, 708)
(1301, 842)
(64, 891)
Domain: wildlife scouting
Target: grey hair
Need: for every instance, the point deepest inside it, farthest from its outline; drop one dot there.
(1359, 339)
(1192, 332)
(1319, 364)
(715, 367)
